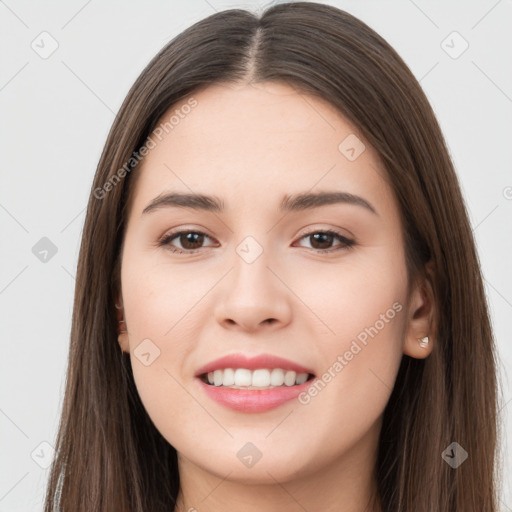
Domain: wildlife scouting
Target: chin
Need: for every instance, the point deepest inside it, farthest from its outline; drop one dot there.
(254, 462)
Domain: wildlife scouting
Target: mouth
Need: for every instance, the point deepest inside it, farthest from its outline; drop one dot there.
(253, 384)
(258, 379)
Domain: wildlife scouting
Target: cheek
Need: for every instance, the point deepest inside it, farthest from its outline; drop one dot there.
(365, 306)
(159, 298)
(362, 308)
(361, 297)
(166, 307)
(162, 334)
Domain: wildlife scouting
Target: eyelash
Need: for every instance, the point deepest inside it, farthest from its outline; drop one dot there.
(167, 239)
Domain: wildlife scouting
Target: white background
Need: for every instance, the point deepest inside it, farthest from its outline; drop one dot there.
(55, 116)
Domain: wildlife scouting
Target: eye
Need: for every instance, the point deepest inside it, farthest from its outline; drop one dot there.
(321, 240)
(190, 241)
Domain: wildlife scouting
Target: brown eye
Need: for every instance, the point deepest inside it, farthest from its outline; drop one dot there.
(190, 241)
(322, 241)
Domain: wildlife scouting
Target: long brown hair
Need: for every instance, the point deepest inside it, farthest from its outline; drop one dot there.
(109, 455)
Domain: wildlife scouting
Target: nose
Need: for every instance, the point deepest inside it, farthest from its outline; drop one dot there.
(253, 297)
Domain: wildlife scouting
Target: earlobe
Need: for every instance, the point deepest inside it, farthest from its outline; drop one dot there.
(420, 348)
(419, 337)
(124, 342)
(122, 331)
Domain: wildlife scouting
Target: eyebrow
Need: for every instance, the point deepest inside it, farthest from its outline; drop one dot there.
(289, 203)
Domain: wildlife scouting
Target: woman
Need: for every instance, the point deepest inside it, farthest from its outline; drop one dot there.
(279, 304)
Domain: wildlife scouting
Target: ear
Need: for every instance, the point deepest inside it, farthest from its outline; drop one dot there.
(421, 315)
(121, 329)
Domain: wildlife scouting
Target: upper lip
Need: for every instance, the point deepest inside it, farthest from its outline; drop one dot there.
(252, 363)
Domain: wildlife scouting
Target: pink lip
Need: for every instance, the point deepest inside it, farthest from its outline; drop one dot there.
(253, 400)
(252, 363)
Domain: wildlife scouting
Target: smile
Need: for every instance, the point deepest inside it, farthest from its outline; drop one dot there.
(253, 384)
(262, 378)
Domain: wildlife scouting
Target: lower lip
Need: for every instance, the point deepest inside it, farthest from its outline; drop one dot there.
(254, 400)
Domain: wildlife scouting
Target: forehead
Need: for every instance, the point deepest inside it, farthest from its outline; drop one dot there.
(257, 141)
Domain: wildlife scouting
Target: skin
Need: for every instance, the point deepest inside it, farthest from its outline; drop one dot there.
(250, 145)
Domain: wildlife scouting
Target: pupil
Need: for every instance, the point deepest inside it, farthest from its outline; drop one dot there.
(324, 245)
(189, 237)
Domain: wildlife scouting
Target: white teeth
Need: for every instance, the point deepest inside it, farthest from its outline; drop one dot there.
(229, 377)
(261, 378)
(243, 377)
(277, 377)
(217, 377)
(289, 378)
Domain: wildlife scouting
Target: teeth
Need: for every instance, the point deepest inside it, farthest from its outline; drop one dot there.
(228, 378)
(301, 378)
(242, 377)
(258, 379)
(277, 377)
(289, 378)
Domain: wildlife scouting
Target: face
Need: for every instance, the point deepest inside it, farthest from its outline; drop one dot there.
(321, 285)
